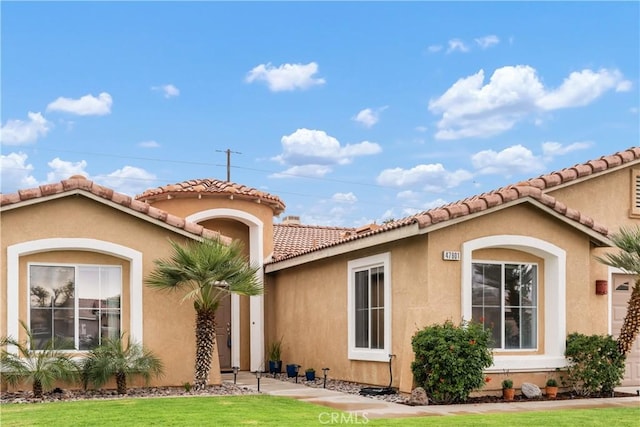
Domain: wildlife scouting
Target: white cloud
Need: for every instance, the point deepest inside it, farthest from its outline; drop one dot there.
(552, 149)
(168, 90)
(18, 132)
(421, 129)
(581, 88)
(87, 105)
(310, 171)
(487, 41)
(128, 180)
(15, 172)
(368, 117)
(457, 45)
(307, 147)
(471, 108)
(149, 144)
(62, 169)
(431, 177)
(286, 76)
(349, 198)
(512, 160)
(434, 48)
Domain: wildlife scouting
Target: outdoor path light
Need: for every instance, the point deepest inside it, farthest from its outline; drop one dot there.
(235, 373)
(258, 375)
(325, 370)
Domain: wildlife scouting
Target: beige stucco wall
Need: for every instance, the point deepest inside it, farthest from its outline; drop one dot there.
(425, 290)
(168, 323)
(185, 206)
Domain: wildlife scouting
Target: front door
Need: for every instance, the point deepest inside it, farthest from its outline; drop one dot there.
(621, 292)
(223, 333)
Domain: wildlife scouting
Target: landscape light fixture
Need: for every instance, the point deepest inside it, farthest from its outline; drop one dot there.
(258, 376)
(296, 370)
(324, 371)
(235, 373)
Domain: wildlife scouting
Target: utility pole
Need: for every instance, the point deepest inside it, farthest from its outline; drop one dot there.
(228, 151)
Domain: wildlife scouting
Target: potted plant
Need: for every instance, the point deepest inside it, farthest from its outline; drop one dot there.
(508, 392)
(310, 374)
(551, 388)
(292, 370)
(274, 354)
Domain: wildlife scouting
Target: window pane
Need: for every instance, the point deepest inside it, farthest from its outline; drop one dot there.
(52, 303)
(64, 327)
(486, 284)
(362, 308)
(110, 285)
(491, 319)
(377, 328)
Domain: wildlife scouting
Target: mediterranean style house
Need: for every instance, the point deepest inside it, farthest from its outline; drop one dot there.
(521, 259)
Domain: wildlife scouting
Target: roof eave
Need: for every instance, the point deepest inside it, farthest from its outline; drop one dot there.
(110, 203)
(376, 239)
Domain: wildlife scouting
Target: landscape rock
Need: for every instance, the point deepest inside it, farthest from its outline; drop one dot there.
(418, 397)
(531, 391)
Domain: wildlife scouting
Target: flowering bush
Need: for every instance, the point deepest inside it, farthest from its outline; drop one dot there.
(450, 360)
(596, 365)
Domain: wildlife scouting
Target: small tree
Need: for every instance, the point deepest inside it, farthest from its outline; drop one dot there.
(113, 359)
(206, 272)
(41, 367)
(450, 360)
(627, 259)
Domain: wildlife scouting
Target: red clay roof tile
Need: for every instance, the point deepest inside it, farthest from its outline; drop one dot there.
(80, 183)
(212, 188)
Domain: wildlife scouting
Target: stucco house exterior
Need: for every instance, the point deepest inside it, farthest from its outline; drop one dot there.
(520, 259)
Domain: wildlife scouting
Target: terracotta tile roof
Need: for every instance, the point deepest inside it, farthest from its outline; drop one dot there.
(294, 239)
(213, 187)
(534, 188)
(583, 170)
(80, 183)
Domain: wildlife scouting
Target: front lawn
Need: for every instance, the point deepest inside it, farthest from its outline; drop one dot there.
(263, 410)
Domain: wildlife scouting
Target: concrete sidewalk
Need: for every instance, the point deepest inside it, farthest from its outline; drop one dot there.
(374, 408)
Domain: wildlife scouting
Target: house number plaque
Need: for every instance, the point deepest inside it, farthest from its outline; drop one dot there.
(451, 255)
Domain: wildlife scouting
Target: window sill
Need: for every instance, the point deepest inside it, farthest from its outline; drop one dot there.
(526, 363)
(369, 355)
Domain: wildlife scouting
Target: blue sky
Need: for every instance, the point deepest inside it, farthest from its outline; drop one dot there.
(350, 112)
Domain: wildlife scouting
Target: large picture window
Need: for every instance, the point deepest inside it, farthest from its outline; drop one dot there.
(369, 308)
(77, 305)
(504, 299)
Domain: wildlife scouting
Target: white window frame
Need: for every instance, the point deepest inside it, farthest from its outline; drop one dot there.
(134, 257)
(356, 353)
(76, 308)
(502, 264)
(555, 315)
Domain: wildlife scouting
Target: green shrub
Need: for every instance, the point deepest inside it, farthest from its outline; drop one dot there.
(595, 364)
(450, 360)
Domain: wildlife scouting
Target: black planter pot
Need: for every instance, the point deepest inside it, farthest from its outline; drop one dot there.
(292, 370)
(275, 366)
(311, 375)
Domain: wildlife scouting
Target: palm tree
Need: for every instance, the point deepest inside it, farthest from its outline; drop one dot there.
(206, 271)
(42, 367)
(628, 260)
(114, 359)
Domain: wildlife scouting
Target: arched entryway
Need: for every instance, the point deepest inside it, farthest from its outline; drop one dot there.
(256, 303)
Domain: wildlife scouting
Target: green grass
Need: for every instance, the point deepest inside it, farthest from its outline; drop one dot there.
(273, 411)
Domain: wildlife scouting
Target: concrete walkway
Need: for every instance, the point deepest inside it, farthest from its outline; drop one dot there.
(374, 408)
